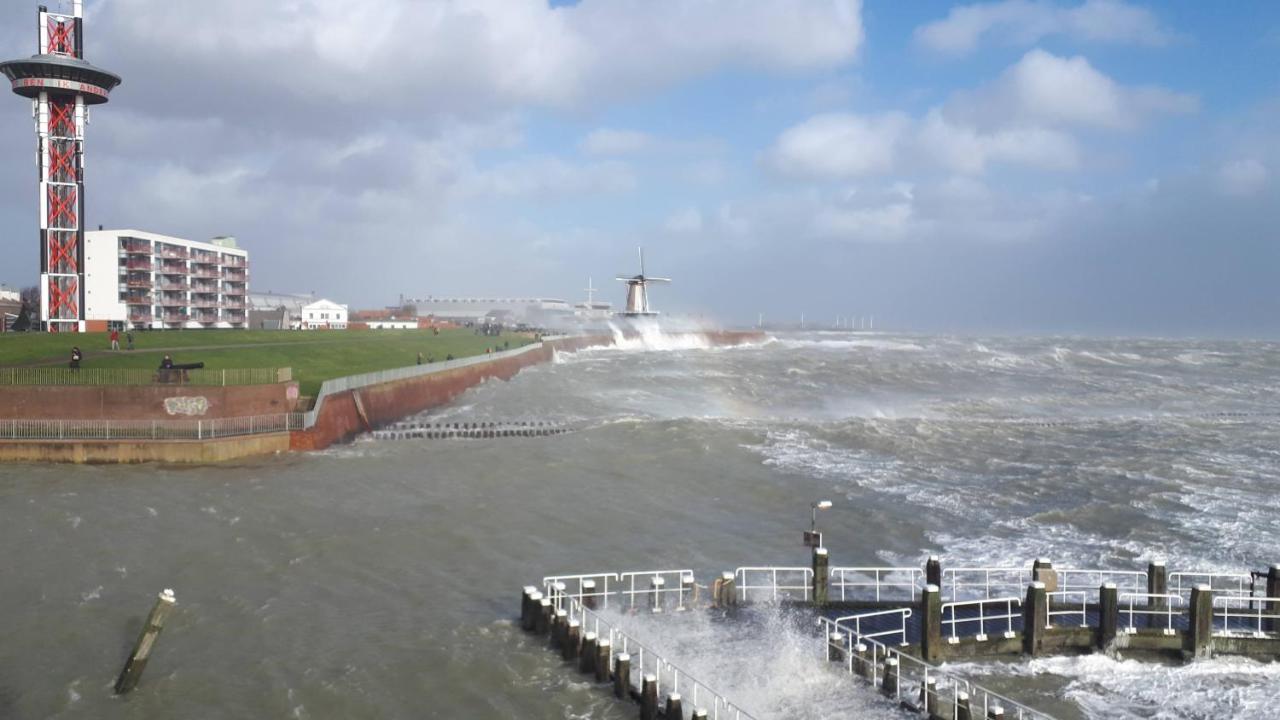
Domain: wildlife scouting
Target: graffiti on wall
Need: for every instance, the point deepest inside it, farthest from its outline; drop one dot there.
(186, 405)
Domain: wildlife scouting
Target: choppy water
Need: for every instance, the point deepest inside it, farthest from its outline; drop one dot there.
(377, 580)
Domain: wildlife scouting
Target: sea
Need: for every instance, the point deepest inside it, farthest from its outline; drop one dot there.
(382, 578)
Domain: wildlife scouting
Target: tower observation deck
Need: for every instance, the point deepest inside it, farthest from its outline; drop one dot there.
(61, 86)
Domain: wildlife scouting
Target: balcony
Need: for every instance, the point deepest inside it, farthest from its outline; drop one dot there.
(139, 264)
(135, 247)
(206, 317)
(167, 283)
(235, 275)
(137, 299)
(204, 286)
(233, 304)
(139, 282)
(205, 271)
(201, 256)
(170, 251)
(139, 317)
(174, 317)
(173, 301)
(232, 261)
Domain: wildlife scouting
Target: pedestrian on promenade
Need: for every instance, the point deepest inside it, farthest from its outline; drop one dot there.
(419, 358)
(129, 336)
(75, 358)
(115, 339)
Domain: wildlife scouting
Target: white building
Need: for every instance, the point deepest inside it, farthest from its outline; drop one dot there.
(534, 311)
(140, 279)
(324, 315)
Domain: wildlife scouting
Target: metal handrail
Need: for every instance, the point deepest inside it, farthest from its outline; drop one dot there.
(903, 613)
(666, 673)
(919, 672)
(202, 429)
(879, 578)
(1125, 580)
(740, 579)
(1233, 583)
(1023, 576)
(1254, 611)
(138, 376)
(1066, 597)
(1166, 607)
(658, 586)
(982, 617)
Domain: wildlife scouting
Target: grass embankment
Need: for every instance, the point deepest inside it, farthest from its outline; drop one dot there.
(315, 356)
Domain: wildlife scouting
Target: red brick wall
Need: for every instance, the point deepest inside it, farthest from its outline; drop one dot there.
(140, 402)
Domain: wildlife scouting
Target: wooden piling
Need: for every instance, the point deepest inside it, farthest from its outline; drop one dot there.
(1035, 618)
(688, 589)
(931, 623)
(889, 683)
(835, 647)
(542, 623)
(604, 654)
(649, 697)
(933, 571)
(657, 584)
(587, 654)
(589, 594)
(963, 712)
(559, 628)
(728, 596)
(1108, 614)
(1042, 571)
(622, 676)
(821, 575)
(137, 662)
(674, 710)
(1200, 636)
(862, 660)
(699, 714)
(1273, 591)
(1157, 583)
(995, 712)
(929, 697)
(572, 641)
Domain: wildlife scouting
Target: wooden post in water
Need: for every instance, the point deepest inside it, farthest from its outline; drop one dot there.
(962, 706)
(1201, 630)
(622, 676)
(1035, 618)
(699, 714)
(587, 656)
(933, 571)
(929, 697)
(674, 710)
(862, 664)
(604, 653)
(728, 596)
(529, 607)
(821, 575)
(995, 712)
(1108, 614)
(559, 628)
(542, 623)
(572, 641)
(649, 697)
(890, 681)
(1273, 591)
(931, 623)
(589, 594)
(137, 662)
(1042, 571)
(1157, 583)
(835, 647)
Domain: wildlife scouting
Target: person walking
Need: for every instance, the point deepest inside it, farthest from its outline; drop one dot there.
(419, 358)
(76, 357)
(115, 340)
(129, 337)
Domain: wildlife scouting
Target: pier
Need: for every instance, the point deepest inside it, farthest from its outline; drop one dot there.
(892, 626)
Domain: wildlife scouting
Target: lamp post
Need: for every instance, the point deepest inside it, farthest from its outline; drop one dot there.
(813, 538)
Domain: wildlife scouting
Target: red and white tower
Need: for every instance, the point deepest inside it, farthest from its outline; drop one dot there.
(61, 86)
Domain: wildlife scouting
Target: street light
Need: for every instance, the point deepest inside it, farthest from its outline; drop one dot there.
(813, 538)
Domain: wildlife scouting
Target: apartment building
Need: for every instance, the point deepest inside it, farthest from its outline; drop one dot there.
(136, 279)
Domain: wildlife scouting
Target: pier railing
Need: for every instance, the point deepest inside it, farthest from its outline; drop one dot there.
(210, 429)
(62, 376)
(795, 581)
(879, 583)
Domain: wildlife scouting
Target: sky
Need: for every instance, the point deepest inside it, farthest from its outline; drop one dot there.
(1095, 167)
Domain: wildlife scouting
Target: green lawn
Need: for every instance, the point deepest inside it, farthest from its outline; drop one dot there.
(315, 356)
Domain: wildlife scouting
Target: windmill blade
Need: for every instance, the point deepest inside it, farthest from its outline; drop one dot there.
(665, 280)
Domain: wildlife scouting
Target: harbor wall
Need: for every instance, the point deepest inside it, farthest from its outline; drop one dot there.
(182, 452)
(144, 402)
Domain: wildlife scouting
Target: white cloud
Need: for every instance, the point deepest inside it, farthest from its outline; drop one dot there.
(1025, 22)
(686, 221)
(1243, 177)
(877, 224)
(606, 141)
(840, 145)
(1042, 88)
(963, 149)
(548, 176)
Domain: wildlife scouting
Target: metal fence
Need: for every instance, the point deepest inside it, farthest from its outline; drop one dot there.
(355, 382)
(60, 376)
(210, 429)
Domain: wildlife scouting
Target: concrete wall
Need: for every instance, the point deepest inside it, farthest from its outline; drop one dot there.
(164, 451)
(144, 402)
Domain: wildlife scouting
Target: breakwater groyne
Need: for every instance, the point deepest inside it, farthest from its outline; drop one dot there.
(220, 421)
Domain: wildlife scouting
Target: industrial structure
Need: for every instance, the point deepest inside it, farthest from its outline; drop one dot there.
(61, 87)
(638, 291)
(541, 312)
(145, 280)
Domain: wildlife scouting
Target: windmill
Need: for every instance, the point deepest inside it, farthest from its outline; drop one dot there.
(637, 291)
